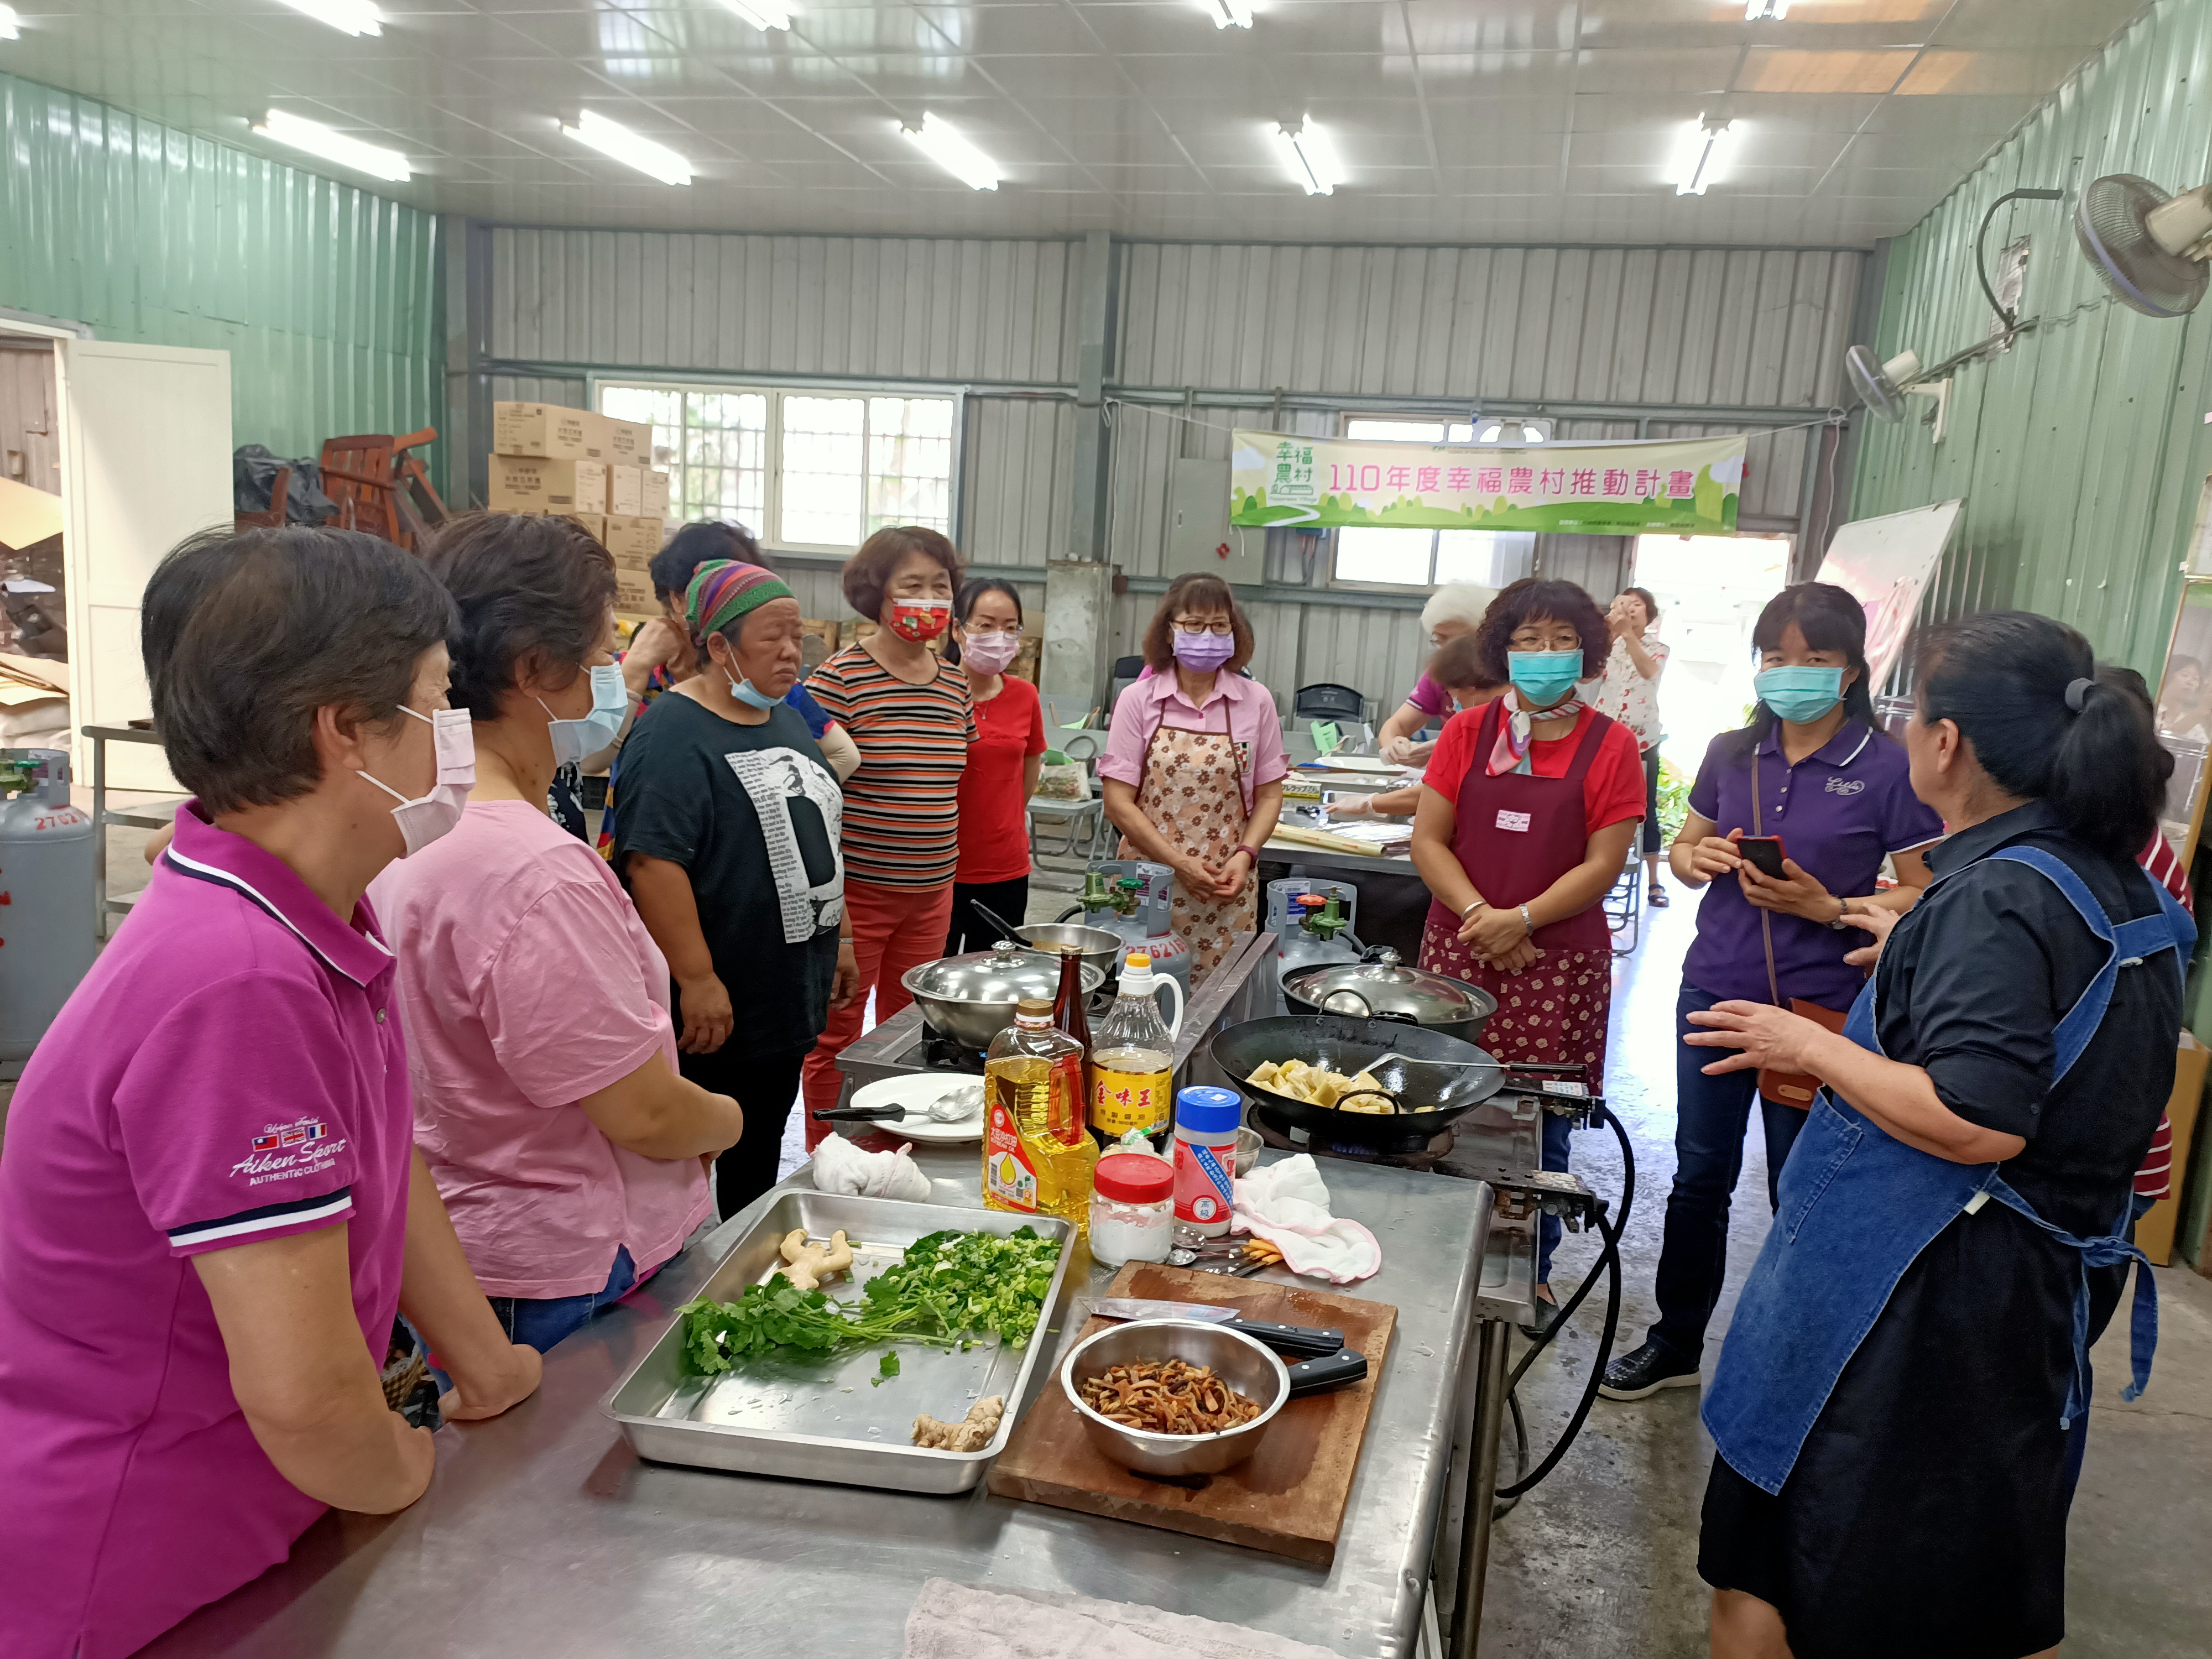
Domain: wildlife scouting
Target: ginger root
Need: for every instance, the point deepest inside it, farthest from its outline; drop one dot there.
(972, 1434)
(807, 1265)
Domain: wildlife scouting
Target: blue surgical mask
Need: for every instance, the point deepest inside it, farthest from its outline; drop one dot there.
(1544, 677)
(574, 739)
(1800, 695)
(750, 695)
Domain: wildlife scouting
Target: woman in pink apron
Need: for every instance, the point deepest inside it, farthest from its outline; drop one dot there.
(1528, 809)
(1193, 767)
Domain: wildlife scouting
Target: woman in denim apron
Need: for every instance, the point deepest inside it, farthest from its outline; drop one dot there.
(1899, 1400)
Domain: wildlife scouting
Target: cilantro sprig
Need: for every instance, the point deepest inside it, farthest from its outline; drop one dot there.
(949, 1289)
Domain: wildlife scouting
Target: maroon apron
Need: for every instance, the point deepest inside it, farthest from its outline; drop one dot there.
(1519, 833)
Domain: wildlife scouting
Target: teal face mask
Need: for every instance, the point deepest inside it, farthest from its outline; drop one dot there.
(1800, 695)
(1544, 677)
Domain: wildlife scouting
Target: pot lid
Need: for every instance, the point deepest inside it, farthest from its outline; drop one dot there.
(1382, 985)
(1004, 974)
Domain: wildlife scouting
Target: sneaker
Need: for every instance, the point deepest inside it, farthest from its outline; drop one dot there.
(1646, 1372)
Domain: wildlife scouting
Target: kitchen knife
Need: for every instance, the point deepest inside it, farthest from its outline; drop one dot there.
(1334, 1370)
(1284, 1339)
(868, 1114)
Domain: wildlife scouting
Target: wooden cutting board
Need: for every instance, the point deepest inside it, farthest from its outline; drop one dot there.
(1287, 1498)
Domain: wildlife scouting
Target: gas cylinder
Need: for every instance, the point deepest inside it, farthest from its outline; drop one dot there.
(1135, 900)
(46, 939)
(1307, 918)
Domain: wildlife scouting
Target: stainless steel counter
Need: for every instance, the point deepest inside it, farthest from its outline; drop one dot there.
(543, 1534)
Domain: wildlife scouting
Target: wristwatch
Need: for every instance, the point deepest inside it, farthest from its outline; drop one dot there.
(1844, 908)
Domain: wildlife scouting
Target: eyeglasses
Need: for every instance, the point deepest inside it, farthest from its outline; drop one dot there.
(1205, 625)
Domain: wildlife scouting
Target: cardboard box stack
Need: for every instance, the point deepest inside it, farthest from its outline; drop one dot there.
(591, 468)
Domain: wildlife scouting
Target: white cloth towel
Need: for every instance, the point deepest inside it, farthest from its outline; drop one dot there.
(1287, 1205)
(841, 1167)
(968, 1621)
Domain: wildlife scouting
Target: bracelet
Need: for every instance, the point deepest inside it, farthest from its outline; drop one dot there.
(1473, 908)
(1527, 922)
(1241, 848)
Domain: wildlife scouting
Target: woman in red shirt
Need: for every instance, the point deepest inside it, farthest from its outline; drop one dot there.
(1002, 766)
(1528, 809)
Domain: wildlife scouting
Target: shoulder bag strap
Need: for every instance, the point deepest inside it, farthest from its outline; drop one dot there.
(1765, 917)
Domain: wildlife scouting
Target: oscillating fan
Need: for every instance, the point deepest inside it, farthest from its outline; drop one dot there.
(2149, 246)
(1884, 387)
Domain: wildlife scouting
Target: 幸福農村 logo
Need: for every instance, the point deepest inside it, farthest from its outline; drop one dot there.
(283, 1151)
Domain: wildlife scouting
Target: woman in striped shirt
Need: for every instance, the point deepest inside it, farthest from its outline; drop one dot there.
(909, 712)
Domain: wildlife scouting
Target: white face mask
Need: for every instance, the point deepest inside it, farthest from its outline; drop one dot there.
(422, 820)
(574, 739)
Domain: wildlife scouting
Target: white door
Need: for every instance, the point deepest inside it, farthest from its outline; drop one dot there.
(145, 462)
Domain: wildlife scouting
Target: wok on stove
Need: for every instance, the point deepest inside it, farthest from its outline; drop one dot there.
(1430, 1097)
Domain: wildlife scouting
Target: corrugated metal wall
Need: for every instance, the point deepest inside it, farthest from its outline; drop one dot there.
(2079, 452)
(1620, 342)
(325, 295)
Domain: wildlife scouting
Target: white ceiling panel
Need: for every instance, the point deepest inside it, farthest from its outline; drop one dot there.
(1545, 120)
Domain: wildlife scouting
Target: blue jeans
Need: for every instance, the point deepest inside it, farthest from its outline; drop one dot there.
(1548, 1227)
(541, 1321)
(1711, 1115)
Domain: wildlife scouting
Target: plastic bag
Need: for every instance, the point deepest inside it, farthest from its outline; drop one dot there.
(1062, 778)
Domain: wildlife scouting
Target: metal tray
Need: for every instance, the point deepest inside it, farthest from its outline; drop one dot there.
(822, 1420)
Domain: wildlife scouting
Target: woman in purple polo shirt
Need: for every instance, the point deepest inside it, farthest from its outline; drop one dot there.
(1813, 770)
(1454, 612)
(209, 1213)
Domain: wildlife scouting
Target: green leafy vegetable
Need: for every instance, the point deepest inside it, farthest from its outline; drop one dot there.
(949, 1288)
(885, 1371)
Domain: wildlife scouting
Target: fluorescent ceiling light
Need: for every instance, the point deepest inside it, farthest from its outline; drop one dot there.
(1310, 158)
(631, 149)
(1760, 11)
(1698, 158)
(765, 15)
(346, 17)
(942, 144)
(333, 145)
(11, 24)
(1229, 13)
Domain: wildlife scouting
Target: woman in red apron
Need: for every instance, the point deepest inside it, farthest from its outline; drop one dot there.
(1528, 809)
(1193, 768)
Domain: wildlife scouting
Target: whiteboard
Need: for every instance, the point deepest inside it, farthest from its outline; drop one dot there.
(1885, 564)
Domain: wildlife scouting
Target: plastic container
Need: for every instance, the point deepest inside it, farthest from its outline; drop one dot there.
(1207, 1121)
(1038, 1155)
(1132, 1058)
(1132, 1208)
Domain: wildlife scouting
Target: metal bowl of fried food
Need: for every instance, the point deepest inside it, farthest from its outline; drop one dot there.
(1238, 1362)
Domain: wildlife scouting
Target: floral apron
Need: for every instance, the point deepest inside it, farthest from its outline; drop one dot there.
(1192, 793)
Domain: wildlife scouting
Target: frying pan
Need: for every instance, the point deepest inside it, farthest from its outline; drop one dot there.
(1432, 1096)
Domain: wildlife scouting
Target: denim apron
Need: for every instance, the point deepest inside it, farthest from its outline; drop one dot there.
(1858, 1206)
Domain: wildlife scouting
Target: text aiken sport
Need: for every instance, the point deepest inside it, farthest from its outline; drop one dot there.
(283, 1151)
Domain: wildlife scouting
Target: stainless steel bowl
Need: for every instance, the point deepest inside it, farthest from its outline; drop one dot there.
(1101, 950)
(971, 998)
(1248, 1366)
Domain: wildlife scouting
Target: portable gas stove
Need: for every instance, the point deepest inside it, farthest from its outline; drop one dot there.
(937, 1052)
(1288, 1138)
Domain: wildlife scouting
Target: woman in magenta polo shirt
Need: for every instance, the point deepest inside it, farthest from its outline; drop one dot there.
(1813, 768)
(1002, 767)
(547, 1098)
(209, 1211)
(1194, 766)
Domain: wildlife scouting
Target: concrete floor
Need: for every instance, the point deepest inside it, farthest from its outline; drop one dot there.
(1602, 1558)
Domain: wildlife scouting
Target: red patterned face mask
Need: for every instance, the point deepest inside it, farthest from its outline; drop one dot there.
(921, 620)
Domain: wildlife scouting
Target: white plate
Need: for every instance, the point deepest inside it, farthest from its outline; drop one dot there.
(915, 1093)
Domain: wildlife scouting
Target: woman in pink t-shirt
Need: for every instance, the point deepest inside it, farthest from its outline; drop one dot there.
(570, 1151)
(209, 1214)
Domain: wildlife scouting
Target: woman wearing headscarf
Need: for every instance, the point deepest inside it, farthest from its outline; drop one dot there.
(1897, 1406)
(1193, 767)
(728, 842)
(911, 712)
(1528, 810)
(210, 1210)
(1002, 767)
(547, 1098)
(1454, 612)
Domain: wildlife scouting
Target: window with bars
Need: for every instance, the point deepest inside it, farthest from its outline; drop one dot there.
(1370, 556)
(813, 470)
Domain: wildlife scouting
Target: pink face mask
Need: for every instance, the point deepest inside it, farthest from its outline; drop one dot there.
(990, 653)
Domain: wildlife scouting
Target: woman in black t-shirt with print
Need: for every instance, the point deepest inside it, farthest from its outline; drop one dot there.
(727, 840)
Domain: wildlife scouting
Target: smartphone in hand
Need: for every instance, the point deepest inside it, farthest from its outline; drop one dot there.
(1764, 854)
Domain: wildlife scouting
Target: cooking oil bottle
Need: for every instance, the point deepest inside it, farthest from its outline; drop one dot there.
(1038, 1154)
(1131, 1058)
